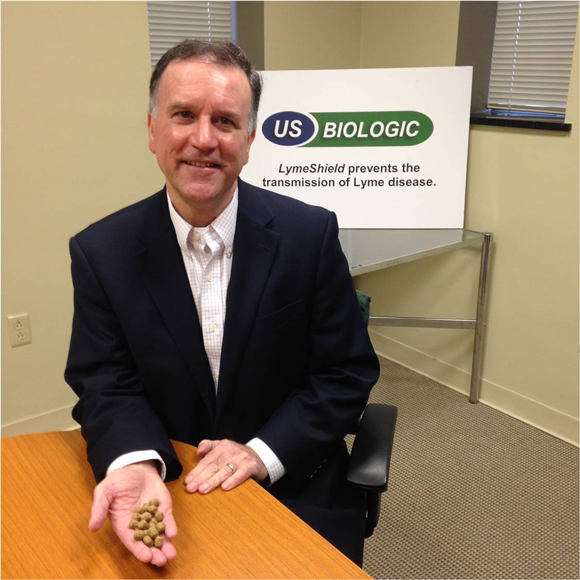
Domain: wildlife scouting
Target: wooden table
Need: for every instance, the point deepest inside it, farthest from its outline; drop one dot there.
(47, 488)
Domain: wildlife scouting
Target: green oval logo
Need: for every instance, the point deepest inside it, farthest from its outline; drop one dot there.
(371, 129)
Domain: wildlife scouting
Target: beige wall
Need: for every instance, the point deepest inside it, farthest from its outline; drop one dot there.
(312, 35)
(522, 185)
(74, 103)
(74, 148)
(395, 34)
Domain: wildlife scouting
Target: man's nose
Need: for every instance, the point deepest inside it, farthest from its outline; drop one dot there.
(203, 135)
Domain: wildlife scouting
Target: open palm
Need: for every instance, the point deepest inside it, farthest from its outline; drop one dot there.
(119, 494)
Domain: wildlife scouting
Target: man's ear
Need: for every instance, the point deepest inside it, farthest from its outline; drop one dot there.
(250, 141)
(151, 131)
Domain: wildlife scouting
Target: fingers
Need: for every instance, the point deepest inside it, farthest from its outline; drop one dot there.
(226, 479)
(205, 446)
(160, 556)
(222, 476)
(170, 525)
(203, 472)
(235, 479)
(211, 462)
(137, 548)
(214, 468)
(168, 550)
(155, 556)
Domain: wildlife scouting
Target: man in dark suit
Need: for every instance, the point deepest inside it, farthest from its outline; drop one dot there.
(217, 314)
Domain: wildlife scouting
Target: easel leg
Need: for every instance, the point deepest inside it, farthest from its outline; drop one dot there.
(480, 318)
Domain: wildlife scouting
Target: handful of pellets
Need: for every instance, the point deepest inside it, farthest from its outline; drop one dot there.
(148, 524)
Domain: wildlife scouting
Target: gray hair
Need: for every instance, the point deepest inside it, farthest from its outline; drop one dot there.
(222, 53)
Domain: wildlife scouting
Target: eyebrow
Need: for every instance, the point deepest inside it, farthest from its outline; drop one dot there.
(180, 106)
(176, 107)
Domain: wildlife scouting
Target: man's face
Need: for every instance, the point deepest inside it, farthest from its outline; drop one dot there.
(200, 135)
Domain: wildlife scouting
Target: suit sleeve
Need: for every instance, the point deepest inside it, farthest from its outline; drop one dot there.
(343, 368)
(113, 411)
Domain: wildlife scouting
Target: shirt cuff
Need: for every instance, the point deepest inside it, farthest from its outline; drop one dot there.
(274, 466)
(135, 457)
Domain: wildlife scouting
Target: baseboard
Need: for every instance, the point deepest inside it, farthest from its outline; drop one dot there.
(55, 420)
(509, 402)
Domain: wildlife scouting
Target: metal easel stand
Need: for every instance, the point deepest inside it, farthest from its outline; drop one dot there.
(477, 323)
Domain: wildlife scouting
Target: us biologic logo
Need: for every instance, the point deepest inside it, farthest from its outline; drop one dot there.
(362, 129)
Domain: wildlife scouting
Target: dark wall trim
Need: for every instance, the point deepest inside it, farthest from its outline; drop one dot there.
(519, 122)
(475, 46)
(251, 31)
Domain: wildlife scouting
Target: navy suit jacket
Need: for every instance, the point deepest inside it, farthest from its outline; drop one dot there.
(296, 367)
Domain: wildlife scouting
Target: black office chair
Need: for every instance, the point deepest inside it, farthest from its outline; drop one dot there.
(370, 457)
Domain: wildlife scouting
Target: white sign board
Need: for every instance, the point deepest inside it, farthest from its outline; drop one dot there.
(383, 148)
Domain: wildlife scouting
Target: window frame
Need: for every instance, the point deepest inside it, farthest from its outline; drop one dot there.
(475, 39)
(166, 23)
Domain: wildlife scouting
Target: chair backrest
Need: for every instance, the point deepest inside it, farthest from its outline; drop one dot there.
(364, 301)
(371, 452)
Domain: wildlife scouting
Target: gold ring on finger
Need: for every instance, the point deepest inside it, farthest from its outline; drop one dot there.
(231, 466)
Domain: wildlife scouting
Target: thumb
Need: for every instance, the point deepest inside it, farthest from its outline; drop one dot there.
(99, 510)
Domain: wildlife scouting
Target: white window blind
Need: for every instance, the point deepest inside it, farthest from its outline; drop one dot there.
(172, 22)
(532, 56)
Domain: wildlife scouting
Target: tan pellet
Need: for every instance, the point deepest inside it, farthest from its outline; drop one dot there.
(153, 532)
(147, 523)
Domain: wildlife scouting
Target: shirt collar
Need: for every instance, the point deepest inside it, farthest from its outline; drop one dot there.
(224, 224)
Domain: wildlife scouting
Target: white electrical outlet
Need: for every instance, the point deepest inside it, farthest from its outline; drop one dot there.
(19, 329)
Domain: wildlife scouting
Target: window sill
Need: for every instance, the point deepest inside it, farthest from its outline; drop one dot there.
(519, 120)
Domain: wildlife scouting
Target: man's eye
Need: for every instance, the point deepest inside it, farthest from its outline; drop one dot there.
(225, 121)
(184, 115)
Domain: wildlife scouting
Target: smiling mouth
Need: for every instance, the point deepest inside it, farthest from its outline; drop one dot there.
(198, 164)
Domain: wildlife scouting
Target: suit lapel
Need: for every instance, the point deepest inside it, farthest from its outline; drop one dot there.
(167, 281)
(254, 251)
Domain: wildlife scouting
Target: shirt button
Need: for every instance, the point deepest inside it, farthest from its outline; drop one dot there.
(210, 277)
(196, 237)
(212, 328)
(229, 252)
(216, 376)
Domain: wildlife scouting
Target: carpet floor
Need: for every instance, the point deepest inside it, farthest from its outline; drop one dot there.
(473, 493)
